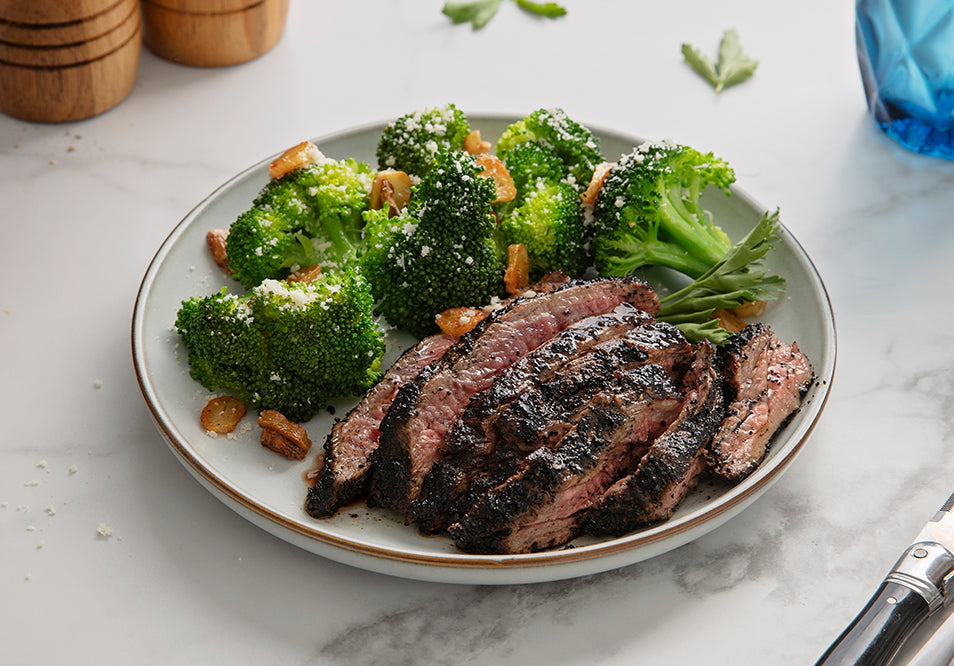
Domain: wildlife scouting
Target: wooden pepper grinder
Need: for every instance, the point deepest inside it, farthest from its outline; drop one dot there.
(212, 33)
(65, 61)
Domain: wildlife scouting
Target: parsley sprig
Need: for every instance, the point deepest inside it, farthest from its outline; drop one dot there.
(479, 12)
(739, 278)
(732, 67)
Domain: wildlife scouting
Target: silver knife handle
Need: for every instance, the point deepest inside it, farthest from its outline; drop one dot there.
(925, 567)
(911, 592)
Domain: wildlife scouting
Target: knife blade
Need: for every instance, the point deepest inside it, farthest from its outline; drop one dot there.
(919, 584)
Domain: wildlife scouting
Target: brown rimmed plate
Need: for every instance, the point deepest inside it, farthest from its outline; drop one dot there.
(269, 491)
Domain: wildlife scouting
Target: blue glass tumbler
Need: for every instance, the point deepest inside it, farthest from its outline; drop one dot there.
(906, 56)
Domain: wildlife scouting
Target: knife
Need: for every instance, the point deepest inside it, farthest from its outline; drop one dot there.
(937, 648)
(919, 584)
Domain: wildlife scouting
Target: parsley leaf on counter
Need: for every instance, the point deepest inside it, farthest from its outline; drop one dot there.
(732, 67)
(479, 12)
(547, 9)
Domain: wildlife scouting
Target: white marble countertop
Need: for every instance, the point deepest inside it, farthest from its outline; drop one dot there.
(184, 580)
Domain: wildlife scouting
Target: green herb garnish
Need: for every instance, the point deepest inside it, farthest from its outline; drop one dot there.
(735, 280)
(732, 67)
(547, 9)
(479, 12)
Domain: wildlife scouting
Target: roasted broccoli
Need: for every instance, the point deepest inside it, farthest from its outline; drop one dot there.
(546, 154)
(648, 211)
(312, 215)
(572, 143)
(550, 224)
(529, 163)
(440, 252)
(286, 346)
(411, 142)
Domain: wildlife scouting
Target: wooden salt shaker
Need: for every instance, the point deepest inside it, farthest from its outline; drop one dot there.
(65, 61)
(212, 33)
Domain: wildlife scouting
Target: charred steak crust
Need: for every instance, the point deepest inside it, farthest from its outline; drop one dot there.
(471, 440)
(765, 381)
(547, 409)
(424, 409)
(344, 475)
(540, 506)
(674, 462)
(528, 422)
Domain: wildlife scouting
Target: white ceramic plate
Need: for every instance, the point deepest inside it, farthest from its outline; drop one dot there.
(269, 490)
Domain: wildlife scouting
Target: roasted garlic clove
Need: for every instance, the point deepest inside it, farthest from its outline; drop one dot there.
(283, 436)
(596, 182)
(392, 189)
(222, 415)
(215, 240)
(494, 168)
(306, 274)
(457, 321)
(750, 309)
(294, 158)
(474, 145)
(729, 320)
(517, 273)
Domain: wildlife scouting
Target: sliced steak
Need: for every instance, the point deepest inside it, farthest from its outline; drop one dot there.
(471, 439)
(765, 379)
(344, 474)
(536, 416)
(674, 462)
(423, 410)
(545, 410)
(541, 506)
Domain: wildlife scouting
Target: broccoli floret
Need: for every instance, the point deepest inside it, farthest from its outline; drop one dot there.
(338, 192)
(309, 216)
(550, 224)
(648, 211)
(411, 142)
(223, 345)
(440, 252)
(284, 198)
(258, 244)
(528, 164)
(546, 216)
(286, 346)
(575, 145)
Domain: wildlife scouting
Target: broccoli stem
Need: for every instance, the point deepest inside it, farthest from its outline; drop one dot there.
(682, 223)
(334, 232)
(633, 254)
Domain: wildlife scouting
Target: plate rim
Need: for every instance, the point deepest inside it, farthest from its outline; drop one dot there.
(733, 501)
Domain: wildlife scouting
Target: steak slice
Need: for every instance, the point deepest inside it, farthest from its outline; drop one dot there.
(534, 418)
(471, 439)
(344, 474)
(541, 506)
(545, 411)
(674, 462)
(424, 409)
(766, 379)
